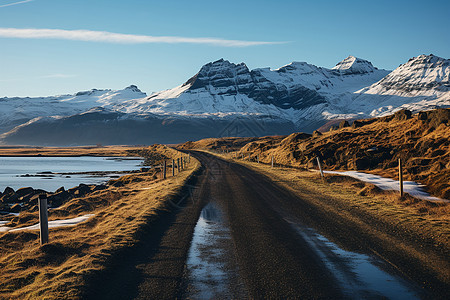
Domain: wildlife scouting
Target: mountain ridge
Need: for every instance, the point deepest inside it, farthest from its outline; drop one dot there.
(295, 97)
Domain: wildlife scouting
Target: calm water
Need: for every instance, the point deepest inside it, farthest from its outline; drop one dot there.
(12, 168)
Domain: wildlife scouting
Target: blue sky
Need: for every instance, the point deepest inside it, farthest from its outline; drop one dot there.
(387, 33)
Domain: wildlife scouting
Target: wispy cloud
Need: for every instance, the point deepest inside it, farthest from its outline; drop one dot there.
(57, 76)
(111, 37)
(15, 3)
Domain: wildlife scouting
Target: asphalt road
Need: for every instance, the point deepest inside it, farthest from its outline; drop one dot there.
(267, 257)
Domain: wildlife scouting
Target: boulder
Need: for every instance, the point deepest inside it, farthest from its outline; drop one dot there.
(16, 208)
(26, 198)
(84, 189)
(57, 199)
(61, 189)
(359, 164)
(358, 124)
(8, 191)
(316, 133)
(402, 115)
(10, 198)
(422, 116)
(80, 190)
(344, 124)
(439, 116)
(100, 187)
(24, 191)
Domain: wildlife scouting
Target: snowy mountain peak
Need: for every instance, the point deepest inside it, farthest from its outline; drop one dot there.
(427, 61)
(422, 76)
(91, 92)
(133, 88)
(217, 74)
(354, 65)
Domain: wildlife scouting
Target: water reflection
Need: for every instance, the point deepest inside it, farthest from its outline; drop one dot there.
(208, 278)
(360, 276)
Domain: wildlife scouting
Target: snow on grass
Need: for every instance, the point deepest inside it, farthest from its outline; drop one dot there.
(410, 187)
(51, 224)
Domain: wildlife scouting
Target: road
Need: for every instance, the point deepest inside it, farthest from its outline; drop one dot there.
(242, 235)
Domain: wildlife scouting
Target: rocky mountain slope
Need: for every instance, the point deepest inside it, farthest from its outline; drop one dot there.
(227, 99)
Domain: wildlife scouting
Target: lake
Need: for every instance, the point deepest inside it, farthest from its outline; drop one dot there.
(42, 172)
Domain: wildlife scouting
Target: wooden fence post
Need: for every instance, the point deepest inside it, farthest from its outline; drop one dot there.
(173, 167)
(178, 164)
(164, 169)
(43, 218)
(400, 176)
(258, 158)
(272, 161)
(181, 163)
(320, 168)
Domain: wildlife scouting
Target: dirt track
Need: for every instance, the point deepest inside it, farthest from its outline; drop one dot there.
(273, 258)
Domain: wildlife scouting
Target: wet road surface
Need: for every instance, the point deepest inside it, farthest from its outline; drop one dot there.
(240, 235)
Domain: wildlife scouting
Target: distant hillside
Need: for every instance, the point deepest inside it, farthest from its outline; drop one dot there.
(374, 145)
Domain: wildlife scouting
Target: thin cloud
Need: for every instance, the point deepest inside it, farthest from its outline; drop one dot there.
(15, 3)
(120, 38)
(58, 76)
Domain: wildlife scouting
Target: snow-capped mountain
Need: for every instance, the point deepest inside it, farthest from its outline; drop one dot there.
(16, 111)
(421, 83)
(224, 98)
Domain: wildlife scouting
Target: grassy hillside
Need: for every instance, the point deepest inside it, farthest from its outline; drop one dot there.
(422, 141)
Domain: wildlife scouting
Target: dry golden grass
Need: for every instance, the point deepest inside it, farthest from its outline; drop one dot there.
(225, 143)
(70, 151)
(375, 146)
(58, 270)
(429, 218)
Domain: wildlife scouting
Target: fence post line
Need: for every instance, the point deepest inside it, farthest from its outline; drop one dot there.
(272, 162)
(173, 167)
(178, 164)
(43, 218)
(400, 176)
(320, 167)
(164, 169)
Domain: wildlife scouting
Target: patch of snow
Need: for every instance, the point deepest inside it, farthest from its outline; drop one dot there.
(51, 224)
(410, 187)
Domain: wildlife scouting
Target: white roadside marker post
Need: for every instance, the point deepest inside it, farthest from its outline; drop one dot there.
(400, 176)
(320, 168)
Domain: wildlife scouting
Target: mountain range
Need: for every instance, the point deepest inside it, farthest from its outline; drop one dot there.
(227, 99)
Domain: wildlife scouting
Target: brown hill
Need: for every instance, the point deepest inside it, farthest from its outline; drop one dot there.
(226, 143)
(375, 145)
